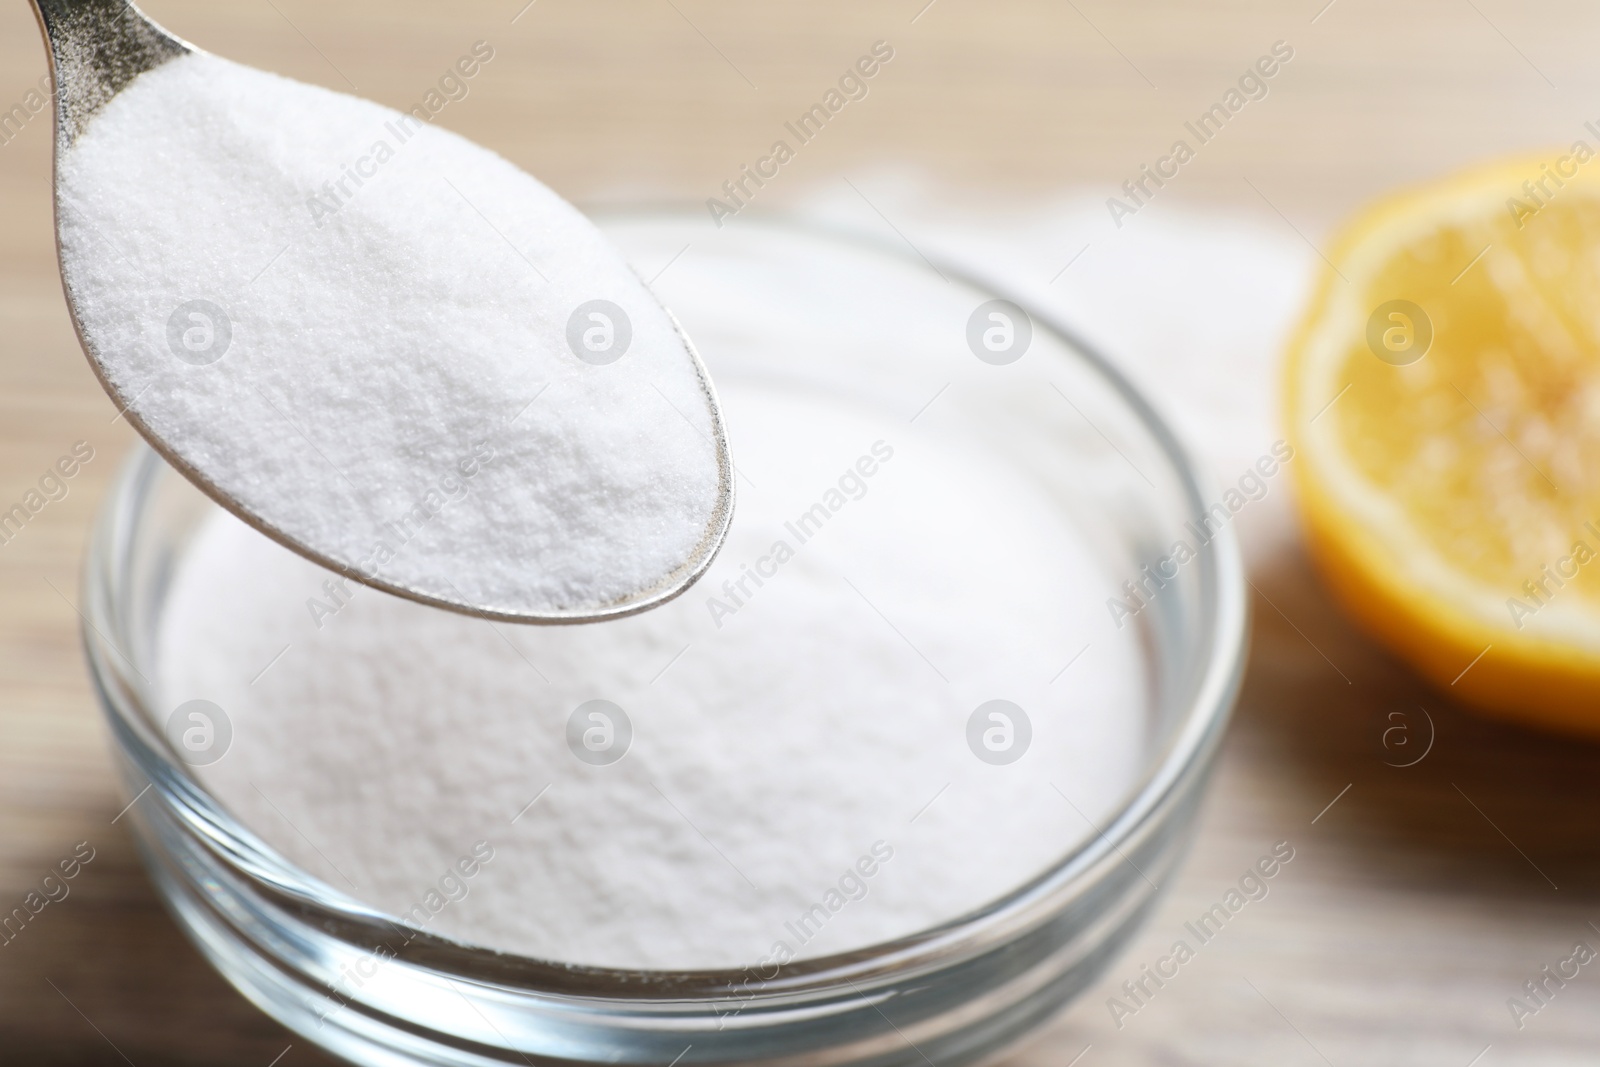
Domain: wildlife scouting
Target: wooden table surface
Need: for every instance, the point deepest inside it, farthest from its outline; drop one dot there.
(1415, 906)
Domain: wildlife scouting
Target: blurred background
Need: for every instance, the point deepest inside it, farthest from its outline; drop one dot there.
(1421, 896)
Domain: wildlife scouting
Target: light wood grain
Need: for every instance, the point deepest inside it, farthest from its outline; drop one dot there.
(1415, 905)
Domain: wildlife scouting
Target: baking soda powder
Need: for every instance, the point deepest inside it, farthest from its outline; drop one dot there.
(894, 698)
(442, 377)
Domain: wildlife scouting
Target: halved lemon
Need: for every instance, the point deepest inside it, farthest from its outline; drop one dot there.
(1443, 395)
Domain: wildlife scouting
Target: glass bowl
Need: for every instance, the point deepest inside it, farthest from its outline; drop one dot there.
(949, 994)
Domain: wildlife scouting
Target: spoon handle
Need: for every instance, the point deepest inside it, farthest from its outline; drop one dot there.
(96, 48)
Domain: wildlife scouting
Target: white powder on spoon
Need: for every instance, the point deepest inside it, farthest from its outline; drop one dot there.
(819, 730)
(412, 387)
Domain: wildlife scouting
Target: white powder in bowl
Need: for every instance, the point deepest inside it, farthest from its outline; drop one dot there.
(380, 341)
(802, 775)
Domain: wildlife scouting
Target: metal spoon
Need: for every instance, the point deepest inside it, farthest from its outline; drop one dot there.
(97, 49)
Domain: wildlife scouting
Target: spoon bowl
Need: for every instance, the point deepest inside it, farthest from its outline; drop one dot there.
(440, 381)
